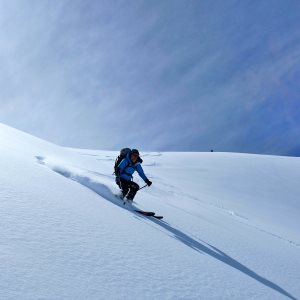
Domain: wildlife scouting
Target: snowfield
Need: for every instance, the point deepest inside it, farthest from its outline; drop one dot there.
(230, 228)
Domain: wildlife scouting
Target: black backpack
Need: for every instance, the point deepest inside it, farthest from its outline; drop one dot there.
(123, 154)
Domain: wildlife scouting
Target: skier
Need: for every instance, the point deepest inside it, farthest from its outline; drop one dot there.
(124, 171)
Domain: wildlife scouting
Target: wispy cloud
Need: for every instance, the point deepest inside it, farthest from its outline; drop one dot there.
(170, 75)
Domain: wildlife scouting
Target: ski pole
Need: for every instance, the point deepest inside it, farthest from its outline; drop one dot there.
(143, 187)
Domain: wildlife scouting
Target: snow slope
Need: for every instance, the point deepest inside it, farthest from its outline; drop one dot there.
(230, 227)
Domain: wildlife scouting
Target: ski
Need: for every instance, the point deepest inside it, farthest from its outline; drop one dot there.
(145, 213)
(149, 214)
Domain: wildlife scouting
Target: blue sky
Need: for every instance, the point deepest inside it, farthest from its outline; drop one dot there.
(156, 75)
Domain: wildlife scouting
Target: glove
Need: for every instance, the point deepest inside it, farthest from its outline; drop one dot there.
(148, 182)
(118, 182)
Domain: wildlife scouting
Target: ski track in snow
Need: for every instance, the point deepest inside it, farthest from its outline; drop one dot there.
(101, 189)
(243, 220)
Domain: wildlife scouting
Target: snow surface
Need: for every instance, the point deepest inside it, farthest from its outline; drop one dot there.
(230, 228)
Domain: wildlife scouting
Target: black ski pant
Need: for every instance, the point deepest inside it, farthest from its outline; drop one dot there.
(129, 188)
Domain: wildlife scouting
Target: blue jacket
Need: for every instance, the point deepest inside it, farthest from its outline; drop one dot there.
(127, 168)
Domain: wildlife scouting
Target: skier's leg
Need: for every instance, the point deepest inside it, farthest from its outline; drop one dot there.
(125, 186)
(134, 187)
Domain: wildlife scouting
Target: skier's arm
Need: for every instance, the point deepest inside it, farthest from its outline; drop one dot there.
(141, 172)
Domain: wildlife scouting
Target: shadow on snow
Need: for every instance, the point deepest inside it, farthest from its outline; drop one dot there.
(201, 247)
